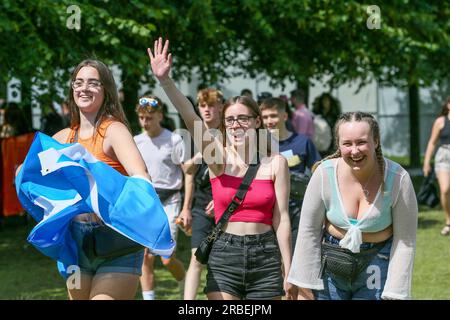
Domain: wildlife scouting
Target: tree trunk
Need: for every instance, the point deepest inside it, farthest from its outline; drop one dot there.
(304, 85)
(130, 92)
(26, 93)
(2, 89)
(414, 126)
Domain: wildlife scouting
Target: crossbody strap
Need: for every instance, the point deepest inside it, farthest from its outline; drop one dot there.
(239, 196)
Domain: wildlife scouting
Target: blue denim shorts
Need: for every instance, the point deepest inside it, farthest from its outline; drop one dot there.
(368, 285)
(131, 263)
(247, 267)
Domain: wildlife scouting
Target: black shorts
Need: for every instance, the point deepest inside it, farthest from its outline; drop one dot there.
(247, 267)
(294, 215)
(202, 225)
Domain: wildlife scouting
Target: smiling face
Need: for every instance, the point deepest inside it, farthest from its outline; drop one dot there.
(88, 92)
(238, 119)
(273, 118)
(357, 145)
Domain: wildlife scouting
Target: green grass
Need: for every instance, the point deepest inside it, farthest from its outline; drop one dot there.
(27, 274)
(431, 266)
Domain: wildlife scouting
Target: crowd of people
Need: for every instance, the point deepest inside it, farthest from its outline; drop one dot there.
(336, 223)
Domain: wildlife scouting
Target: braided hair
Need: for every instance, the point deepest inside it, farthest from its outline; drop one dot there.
(358, 116)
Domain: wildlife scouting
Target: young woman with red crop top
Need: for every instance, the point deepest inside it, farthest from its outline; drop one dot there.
(252, 253)
(98, 123)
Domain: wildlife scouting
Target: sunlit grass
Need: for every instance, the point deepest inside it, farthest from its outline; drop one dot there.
(27, 274)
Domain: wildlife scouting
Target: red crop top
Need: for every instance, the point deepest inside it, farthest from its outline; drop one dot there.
(258, 203)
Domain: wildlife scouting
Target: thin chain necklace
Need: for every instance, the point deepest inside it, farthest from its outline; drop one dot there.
(364, 187)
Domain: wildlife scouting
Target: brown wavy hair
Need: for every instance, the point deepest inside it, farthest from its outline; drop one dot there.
(111, 106)
(444, 110)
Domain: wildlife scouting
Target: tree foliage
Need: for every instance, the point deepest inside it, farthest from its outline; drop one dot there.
(286, 39)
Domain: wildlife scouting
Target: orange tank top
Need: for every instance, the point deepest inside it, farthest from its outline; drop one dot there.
(94, 145)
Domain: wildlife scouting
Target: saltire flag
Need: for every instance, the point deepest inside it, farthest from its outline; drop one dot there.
(59, 181)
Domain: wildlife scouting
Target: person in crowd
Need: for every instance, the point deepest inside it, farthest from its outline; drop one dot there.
(329, 108)
(15, 122)
(249, 257)
(99, 124)
(298, 149)
(302, 119)
(210, 104)
(164, 155)
(247, 92)
(52, 122)
(263, 96)
(440, 135)
(357, 232)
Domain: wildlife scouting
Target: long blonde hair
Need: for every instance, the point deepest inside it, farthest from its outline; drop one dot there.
(358, 116)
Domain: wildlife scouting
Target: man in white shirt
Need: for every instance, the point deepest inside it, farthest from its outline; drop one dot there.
(163, 153)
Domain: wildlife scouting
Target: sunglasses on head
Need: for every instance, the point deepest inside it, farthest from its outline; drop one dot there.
(148, 102)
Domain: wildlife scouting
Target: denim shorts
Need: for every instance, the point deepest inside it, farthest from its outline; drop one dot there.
(442, 159)
(368, 285)
(131, 263)
(247, 267)
(202, 225)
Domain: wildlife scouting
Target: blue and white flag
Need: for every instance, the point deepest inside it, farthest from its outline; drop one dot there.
(59, 181)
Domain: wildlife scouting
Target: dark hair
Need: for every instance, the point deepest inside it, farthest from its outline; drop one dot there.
(254, 110)
(111, 106)
(15, 117)
(299, 95)
(245, 92)
(333, 112)
(263, 96)
(273, 103)
(444, 110)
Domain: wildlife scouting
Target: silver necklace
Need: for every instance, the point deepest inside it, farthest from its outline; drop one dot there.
(364, 187)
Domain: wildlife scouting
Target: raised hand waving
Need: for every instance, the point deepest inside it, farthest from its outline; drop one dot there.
(160, 61)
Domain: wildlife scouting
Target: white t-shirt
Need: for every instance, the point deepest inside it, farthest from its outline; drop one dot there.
(163, 156)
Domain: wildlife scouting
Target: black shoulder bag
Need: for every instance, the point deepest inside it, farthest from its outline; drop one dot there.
(428, 194)
(204, 249)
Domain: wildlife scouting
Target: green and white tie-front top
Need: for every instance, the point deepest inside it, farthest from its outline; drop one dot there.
(396, 204)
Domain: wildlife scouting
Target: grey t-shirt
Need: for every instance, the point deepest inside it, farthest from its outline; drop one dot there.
(163, 156)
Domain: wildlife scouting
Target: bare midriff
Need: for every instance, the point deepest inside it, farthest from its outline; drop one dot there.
(373, 237)
(246, 228)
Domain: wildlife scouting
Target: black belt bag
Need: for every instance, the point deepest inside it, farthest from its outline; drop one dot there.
(343, 263)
